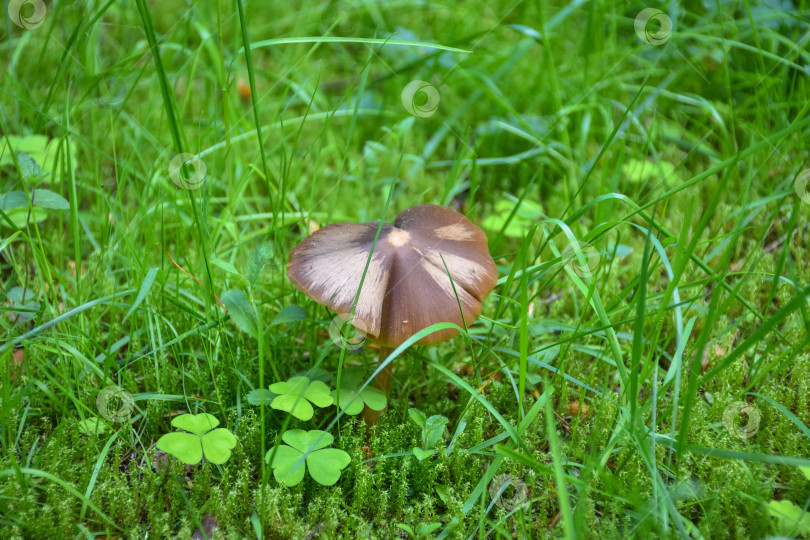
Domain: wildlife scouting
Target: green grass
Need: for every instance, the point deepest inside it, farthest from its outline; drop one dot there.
(557, 129)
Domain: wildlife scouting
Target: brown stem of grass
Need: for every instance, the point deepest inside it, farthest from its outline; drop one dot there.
(381, 382)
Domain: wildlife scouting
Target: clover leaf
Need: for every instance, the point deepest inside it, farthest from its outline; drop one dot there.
(351, 401)
(790, 517)
(307, 449)
(422, 454)
(201, 439)
(295, 396)
(259, 395)
(23, 299)
(92, 426)
(370, 396)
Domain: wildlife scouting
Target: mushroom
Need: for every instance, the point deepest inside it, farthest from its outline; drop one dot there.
(406, 286)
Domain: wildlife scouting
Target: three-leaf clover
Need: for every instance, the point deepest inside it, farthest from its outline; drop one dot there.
(202, 439)
(295, 396)
(307, 449)
(351, 401)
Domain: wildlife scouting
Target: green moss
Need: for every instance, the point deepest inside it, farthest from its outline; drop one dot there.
(560, 97)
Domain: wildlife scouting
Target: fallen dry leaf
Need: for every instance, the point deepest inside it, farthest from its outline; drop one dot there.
(17, 369)
(243, 88)
(209, 525)
(72, 265)
(576, 408)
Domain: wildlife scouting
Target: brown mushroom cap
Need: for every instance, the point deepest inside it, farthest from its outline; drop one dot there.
(406, 287)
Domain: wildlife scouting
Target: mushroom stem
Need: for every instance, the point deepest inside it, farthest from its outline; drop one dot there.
(381, 382)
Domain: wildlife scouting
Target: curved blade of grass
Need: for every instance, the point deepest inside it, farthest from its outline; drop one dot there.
(181, 337)
(96, 469)
(638, 331)
(72, 490)
(65, 316)
(145, 286)
(594, 298)
(773, 140)
(360, 287)
(493, 467)
(478, 396)
(332, 39)
(524, 320)
(795, 303)
(255, 105)
(177, 137)
(559, 475)
(328, 115)
(782, 409)
(390, 358)
(736, 454)
(548, 367)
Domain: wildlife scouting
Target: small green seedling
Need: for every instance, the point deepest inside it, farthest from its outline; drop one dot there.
(32, 204)
(352, 401)
(307, 447)
(432, 430)
(240, 305)
(241, 310)
(297, 395)
(423, 530)
(201, 440)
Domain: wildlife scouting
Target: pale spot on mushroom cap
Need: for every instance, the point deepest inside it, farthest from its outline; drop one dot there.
(457, 231)
(399, 238)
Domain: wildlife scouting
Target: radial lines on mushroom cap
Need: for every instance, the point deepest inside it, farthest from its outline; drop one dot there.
(328, 267)
(406, 287)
